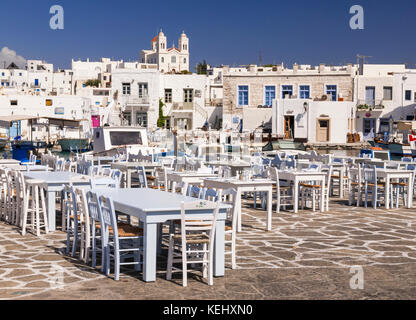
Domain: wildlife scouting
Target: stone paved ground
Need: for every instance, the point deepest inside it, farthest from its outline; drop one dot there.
(305, 256)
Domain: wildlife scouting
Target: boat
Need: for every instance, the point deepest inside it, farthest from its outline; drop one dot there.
(284, 145)
(375, 153)
(122, 140)
(74, 145)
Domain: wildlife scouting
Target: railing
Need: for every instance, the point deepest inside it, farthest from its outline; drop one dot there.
(370, 103)
(132, 101)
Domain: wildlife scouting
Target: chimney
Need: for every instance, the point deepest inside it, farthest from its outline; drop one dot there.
(321, 67)
(349, 68)
(295, 68)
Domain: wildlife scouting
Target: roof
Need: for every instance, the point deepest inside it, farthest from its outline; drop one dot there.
(154, 39)
(6, 120)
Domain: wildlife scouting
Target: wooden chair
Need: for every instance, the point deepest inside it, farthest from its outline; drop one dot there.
(194, 245)
(119, 239)
(284, 193)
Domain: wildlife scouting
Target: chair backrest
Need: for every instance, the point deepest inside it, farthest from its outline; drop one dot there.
(195, 192)
(108, 216)
(213, 195)
(116, 175)
(161, 177)
(224, 172)
(203, 224)
(93, 207)
(141, 171)
(257, 171)
(82, 204)
(179, 185)
(370, 175)
(406, 159)
(314, 167)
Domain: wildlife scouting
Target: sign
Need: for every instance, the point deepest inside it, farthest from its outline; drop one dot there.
(59, 111)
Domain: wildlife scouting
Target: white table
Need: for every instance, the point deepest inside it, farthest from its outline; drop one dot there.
(235, 166)
(29, 168)
(257, 185)
(188, 177)
(9, 161)
(55, 182)
(388, 175)
(153, 207)
(303, 176)
(127, 168)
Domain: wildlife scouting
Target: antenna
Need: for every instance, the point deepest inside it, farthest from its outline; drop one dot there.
(260, 59)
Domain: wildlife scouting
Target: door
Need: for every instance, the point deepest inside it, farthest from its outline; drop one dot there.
(141, 119)
(370, 96)
(188, 99)
(289, 127)
(95, 121)
(322, 134)
(369, 128)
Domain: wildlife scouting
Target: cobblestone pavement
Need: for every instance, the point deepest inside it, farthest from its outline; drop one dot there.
(305, 256)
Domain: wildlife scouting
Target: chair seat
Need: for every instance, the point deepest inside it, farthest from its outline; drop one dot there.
(125, 230)
(379, 184)
(151, 178)
(193, 238)
(311, 186)
(402, 184)
(228, 228)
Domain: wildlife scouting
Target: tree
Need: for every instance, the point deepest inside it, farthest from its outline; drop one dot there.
(162, 119)
(202, 67)
(93, 83)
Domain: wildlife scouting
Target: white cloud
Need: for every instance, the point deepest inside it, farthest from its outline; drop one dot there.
(7, 55)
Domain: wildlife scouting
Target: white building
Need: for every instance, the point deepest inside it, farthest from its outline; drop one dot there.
(312, 121)
(384, 93)
(174, 59)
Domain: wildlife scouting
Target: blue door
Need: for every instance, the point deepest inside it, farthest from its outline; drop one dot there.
(14, 130)
(36, 82)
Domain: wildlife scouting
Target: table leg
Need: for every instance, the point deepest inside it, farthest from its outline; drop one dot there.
(387, 192)
(269, 209)
(219, 248)
(410, 192)
(239, 214)
(51, 210)
(149, 256)
(296, 197)
(128, 178)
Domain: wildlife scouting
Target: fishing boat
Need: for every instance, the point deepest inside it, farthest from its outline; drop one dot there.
(375, 153)
(75, 145)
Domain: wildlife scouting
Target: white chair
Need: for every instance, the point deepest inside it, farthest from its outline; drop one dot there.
(284, 192)
(34, 209)
(194, 245)
(231, 224)
(120, 240)
(373, 187)
(312, 191)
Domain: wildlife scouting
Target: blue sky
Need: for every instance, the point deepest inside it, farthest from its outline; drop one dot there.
(222, 32)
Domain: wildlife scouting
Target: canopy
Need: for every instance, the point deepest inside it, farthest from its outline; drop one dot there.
(7, 120)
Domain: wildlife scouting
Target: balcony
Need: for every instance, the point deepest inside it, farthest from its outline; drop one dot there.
(369, 105)
(184, 106)
(137, 101)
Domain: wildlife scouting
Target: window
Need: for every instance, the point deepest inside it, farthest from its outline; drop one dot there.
(2, 74)
(143, 90)
(141, 119)
(173, 59)
(408, 95)
(13, 102)
(126, 88)
(242, 96)
(162, 60)
(388, 93)
(287, 91)
(49, 102)
(188, 95)
(332, 91)
(168, 95)
(184, 60)
(304, 92)
(270, 95)
(125, 138)
(384, 125)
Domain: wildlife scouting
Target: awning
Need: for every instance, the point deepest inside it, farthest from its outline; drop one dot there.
(7, 120)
